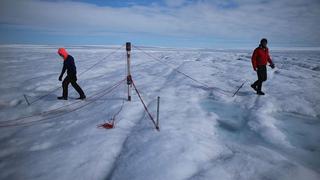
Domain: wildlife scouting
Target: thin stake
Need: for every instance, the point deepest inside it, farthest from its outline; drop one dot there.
(239, 88)
(145, 107)
(158, 108)
(25, 97)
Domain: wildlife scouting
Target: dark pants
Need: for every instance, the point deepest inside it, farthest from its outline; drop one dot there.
(262, 76)
(73, 81)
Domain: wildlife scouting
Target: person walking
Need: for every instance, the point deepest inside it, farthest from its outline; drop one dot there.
(260, 59)
(70, 67)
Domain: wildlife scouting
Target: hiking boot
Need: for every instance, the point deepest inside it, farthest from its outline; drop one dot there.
(260, 93)
(82, 97)
(62, 98)
(254, 87)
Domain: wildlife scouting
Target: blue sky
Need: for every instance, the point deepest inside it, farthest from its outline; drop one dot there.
(171, 23)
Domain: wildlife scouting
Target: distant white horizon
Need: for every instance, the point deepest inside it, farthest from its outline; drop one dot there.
(163, 47)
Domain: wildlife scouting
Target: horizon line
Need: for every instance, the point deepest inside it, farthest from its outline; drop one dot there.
(313, 48)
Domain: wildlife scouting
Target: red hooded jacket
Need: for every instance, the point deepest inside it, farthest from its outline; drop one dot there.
(260, 57)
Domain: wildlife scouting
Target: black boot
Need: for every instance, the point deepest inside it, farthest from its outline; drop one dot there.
(62, 98)
(260, 93)
(82, 97)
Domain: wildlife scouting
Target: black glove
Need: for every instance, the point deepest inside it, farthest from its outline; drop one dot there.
(60, 78)
(272, 66)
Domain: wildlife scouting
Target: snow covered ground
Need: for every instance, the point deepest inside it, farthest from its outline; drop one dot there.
(205, 133)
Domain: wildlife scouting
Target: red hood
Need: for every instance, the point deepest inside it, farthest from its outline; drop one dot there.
(63, 53)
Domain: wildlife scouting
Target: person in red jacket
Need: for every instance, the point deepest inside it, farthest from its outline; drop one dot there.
(70, 67)
(260, 59)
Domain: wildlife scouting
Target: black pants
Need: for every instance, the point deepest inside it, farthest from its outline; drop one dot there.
(73, 81)
(262, 76)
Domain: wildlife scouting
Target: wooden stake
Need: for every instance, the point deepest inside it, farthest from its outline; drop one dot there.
(239, 88)
(158, 108)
